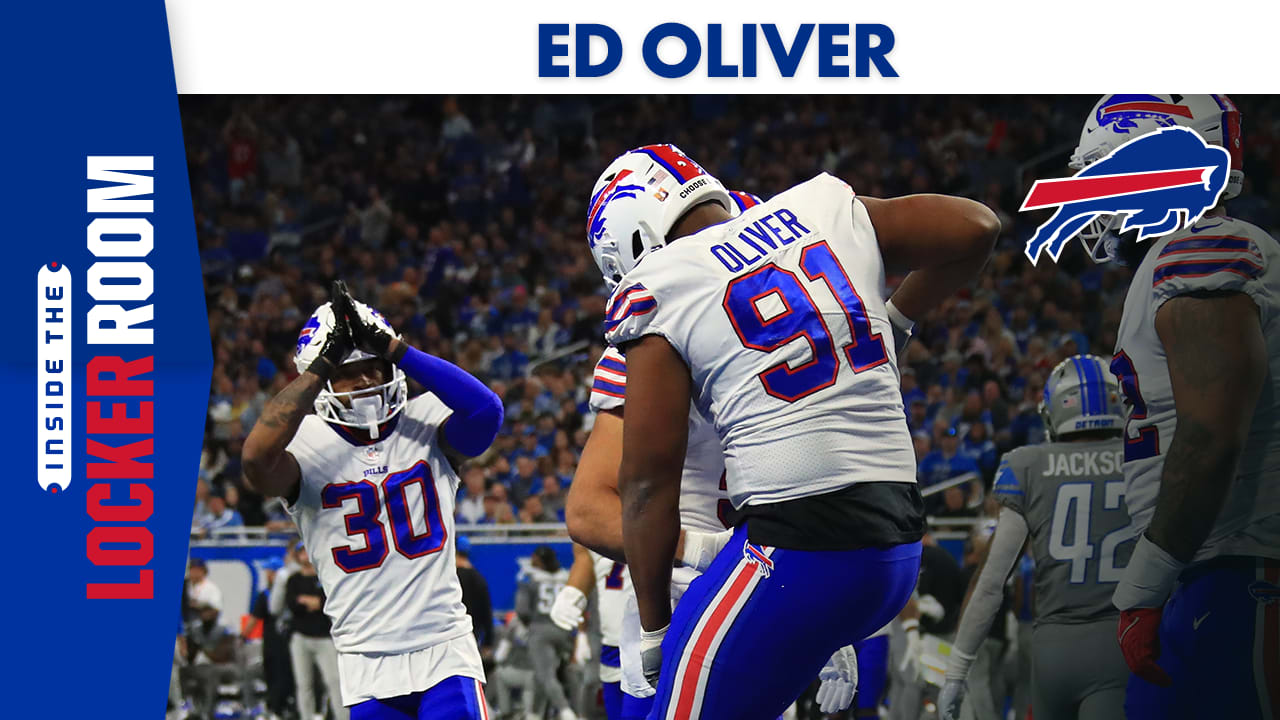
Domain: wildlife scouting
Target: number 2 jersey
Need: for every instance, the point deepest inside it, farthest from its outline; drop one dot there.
(1217, 254)
(1072, 496)
(779, 314)
(377, 521)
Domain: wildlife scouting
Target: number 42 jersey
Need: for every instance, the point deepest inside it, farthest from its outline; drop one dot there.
(1216, 254)
(779, 314)
(377, 521)
(1072, 496)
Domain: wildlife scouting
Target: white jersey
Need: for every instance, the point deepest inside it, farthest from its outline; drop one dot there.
(703, 499)
(613, 584)
(779, 314)
(1215, 254)
(613, 587)
(377, 521)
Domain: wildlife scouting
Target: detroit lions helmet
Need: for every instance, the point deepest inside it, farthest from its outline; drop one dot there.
(1117, 119)
(638, 199)
(1081, 395)
(368, 408)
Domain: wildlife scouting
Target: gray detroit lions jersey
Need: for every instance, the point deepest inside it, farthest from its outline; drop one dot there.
(1072, 496)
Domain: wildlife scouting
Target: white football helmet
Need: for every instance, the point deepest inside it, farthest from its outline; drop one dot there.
(1117, 119)
(368, 408)
(638, 199)
(1081, 395)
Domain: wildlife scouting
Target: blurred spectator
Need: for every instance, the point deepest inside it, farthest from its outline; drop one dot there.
(978, 446)
(522, 483)
(209, 646)
(201, 591)
(943, 464)
(218, 514)
(549, 646)
(311, 647)
(553, 497)
(471, 497)
(475, 596)
(532, 511)
(277, 673)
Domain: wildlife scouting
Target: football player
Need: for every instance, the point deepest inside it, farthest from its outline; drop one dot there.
(364, 472)
(1066, 496)
(594, 516)
(608, 579)
(1198, 359)
(801, 385)
(550, 644)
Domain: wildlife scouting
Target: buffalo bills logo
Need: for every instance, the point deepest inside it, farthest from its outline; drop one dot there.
(755, 554)
(614, 190)
(1264, 592)
(1161, 182)
(1121, 113)
(308, 332)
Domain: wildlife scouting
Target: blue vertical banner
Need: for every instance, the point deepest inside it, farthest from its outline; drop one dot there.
(107, 408)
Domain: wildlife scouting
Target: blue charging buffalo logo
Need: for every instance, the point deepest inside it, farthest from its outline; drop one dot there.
(1264, 592)
(1161, 182)
(614, 190)
(1121, 113)
(308, 332)
(756, 554)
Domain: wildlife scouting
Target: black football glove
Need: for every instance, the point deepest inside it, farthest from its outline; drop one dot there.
(367, 335)
(337, 346)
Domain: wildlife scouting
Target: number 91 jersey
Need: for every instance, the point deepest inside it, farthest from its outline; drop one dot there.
(377, 521)
(1216, 254)
(779, 314)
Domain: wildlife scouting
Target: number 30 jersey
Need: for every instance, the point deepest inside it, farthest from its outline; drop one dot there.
(377, 521)
(1072, 496)
(779, 314)
(1216, 254)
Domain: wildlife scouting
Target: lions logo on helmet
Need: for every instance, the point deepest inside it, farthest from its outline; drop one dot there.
(638, 199)
(1081, 395)
(369, 408)
(1117, 119)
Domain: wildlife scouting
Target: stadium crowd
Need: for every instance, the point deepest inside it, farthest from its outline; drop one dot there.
(462, 220)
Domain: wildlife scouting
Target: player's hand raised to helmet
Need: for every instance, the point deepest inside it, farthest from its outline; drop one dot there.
(336, 347)
(367, 335)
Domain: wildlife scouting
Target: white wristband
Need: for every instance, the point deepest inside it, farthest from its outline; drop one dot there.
(900, 321)
(1149, 578)
(958, 665)
(652, 639)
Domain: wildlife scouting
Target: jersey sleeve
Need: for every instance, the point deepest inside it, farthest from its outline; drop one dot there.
(609, 381)
(632, 313)
(428, 410)
(1008, 488)
(1223, 259)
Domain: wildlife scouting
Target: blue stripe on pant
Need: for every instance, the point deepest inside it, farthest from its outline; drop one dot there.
(454, 698)
(1220, 643)
(739, 626)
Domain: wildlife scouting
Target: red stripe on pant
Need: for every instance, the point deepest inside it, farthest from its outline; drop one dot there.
(693, 671)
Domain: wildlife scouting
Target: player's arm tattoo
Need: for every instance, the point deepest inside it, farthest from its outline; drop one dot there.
(1217, 361)
(268, 468)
